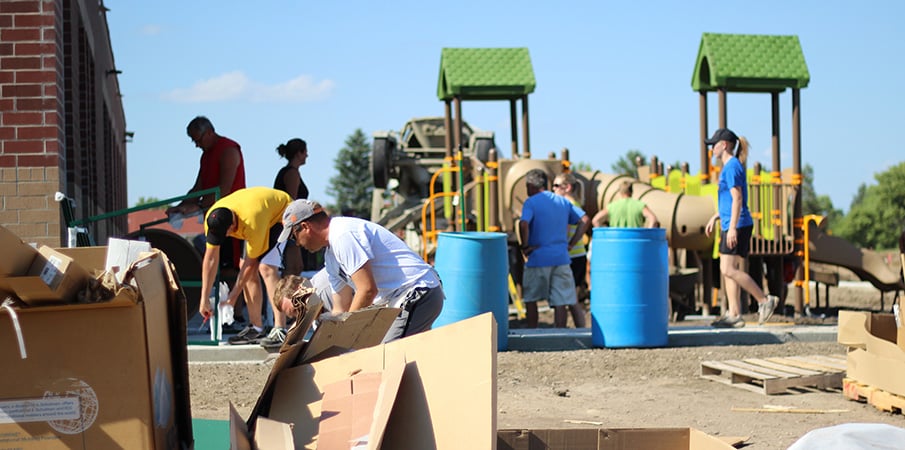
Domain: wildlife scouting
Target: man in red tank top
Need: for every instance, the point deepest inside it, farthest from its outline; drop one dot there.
(221, 166)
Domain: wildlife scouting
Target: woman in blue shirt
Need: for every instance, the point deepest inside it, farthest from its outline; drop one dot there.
(736, 226)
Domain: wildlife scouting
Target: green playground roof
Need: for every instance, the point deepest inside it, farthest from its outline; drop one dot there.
(749, 63)
(485, 73)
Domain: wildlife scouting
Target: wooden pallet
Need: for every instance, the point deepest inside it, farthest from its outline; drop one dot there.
(776, 375)
(880, 399)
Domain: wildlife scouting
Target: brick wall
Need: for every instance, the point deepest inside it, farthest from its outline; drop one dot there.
(62, 126)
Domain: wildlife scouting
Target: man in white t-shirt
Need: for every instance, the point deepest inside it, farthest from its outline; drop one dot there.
(366, 255)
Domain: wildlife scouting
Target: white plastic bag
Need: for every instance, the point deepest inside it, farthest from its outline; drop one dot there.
(225, 309)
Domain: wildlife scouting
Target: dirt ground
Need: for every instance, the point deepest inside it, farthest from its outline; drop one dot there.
(622, 387)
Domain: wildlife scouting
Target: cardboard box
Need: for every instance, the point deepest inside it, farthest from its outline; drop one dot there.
(97, 376)
(876, 354)
(611, 439)
(52, 278)
(17, 255)
(433, 386)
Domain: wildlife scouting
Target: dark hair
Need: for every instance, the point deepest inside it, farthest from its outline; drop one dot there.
(536, 178)
(199, 124)
(292, 148)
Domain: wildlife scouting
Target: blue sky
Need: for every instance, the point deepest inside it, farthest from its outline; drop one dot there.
(611, 76)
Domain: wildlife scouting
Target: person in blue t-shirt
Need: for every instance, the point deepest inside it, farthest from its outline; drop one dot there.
(545, 243)
(736, 226)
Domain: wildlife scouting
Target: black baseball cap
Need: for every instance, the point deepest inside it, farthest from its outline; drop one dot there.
(218, 222)
(722, 134)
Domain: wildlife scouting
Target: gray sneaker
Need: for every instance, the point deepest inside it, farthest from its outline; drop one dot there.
(729, 322)
(275, 338)
(765, 311)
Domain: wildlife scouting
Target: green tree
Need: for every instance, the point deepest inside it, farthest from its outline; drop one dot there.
(626, 165)
(582, 166)
(146, 200)
(811, 203)
(352, 185)
(875, 219)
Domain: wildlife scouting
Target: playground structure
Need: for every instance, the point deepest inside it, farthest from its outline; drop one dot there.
(482, 191)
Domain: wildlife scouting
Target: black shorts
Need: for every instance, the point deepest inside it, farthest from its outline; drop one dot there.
(579, 267)
(742, 247)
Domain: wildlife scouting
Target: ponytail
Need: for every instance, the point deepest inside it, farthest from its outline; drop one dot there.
(281, 150)
(741, 151)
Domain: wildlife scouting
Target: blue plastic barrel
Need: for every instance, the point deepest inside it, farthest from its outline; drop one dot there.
(474, 268)
(629, 287)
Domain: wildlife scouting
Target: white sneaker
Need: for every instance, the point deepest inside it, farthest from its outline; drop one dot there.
(765, 311)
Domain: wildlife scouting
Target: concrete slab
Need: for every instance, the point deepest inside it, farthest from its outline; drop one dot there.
(557, 339)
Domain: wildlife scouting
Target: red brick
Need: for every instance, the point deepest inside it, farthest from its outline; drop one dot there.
(6, 104)
(6, 49)
(52, 146)
(18, 63)
(32, 146)
(7, 133)
(48, 160)
(49, 34)
(6, 20)
(50, 90)
(51, 118)
(36, 133)
(20, 90)
(23, 118)
(7, 76)
(36, 76)
(20, 34)
(33, 48)
(7, 6)
(8, 161)
(34, 104)
(33, 20)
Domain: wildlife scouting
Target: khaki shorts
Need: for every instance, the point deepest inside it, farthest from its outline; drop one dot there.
(553, 283)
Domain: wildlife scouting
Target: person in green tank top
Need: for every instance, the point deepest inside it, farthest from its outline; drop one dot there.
(626, 212)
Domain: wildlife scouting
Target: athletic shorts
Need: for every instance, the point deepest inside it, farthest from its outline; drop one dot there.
(552, 283)
(580, 270)
(742, 247)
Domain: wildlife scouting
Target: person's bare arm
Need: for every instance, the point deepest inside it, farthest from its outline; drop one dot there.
(292, 180)
(583, 224)
(732, 232)
(342, 300)
(208, 271)
(365, 287)
(600, 219)
(650, 219)
(524, 234)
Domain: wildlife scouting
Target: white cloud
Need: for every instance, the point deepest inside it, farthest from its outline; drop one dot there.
(151, 30)
(237, 86)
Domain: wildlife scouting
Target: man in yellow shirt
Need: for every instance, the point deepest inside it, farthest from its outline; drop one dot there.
(255, 216)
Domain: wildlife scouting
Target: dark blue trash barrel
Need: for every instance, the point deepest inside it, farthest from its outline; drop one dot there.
(629, 287)
(474, 268)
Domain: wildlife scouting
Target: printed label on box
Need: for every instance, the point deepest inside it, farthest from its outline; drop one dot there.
(51, 274)
(39, 410)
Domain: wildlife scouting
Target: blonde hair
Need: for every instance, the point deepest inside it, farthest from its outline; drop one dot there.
(286, 286)
(741, 149)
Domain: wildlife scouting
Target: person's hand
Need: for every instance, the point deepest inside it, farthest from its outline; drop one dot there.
(708, 230)
(731, 238)
(205, 308)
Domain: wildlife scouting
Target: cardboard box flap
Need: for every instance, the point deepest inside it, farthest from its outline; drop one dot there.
(877, 333)
(273, 435)
(348, 331)
(238, 432)
(342, 334)
(17, 255)
(426, 412)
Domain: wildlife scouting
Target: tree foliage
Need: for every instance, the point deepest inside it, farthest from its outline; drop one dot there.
(582, 166)
(626, 165)
(146, 200)
(352, 185)
(811, 203)
(877, 213)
